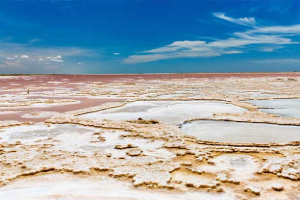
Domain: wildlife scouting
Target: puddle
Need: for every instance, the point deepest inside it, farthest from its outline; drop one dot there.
(235, 132)
(172, 112)
(281, 107)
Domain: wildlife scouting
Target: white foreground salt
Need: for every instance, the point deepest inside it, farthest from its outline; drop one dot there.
(281, 107)
(70, 187)
(235, 132)
(80, 139)
(172, 112)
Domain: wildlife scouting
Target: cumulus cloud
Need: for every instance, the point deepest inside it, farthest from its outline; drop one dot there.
(35, 59)
(57, 58)
(272, 37)
(26, 50)
(24, 56)
(116, 54)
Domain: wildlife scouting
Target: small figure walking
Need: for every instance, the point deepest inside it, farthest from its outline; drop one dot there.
(27, 91)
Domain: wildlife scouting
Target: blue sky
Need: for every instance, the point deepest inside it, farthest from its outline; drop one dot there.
(149, 36)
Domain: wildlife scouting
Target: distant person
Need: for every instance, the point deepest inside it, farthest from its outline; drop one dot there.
(27, 91)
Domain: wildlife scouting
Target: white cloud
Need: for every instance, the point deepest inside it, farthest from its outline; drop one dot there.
(232, 52)
(61, 57)
(294, 29)
(178, 45)
(24, 56)
(57, 58)
(265, 38)
(267, 49)
(270, 49)
(180, 54)
(145, 58)
(245, 21)
(116, 54)
(9, 49)
(9, 58)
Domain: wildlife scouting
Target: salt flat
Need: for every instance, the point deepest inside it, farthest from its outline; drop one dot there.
(282, 107)
(187, 136)
(236, 132)
(173, 112)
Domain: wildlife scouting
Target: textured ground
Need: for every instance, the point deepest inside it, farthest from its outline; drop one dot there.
(171, 136)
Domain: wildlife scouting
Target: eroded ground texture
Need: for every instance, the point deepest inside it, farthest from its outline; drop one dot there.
(171, 136)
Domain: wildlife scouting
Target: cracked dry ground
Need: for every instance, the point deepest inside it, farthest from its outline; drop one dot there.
(150, 137)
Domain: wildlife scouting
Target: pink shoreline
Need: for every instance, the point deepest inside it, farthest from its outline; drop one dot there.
(85, 103)
(63, 81)
(37, 80)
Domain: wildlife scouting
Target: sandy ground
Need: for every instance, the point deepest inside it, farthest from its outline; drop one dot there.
(159, 136)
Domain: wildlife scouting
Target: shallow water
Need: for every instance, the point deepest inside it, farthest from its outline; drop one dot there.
(281, 107)
(172, 112)
(235, 132)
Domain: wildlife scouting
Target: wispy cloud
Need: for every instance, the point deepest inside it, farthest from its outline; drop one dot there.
(245, 21)
(266, 38)
(293, 29)
(270, 49)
